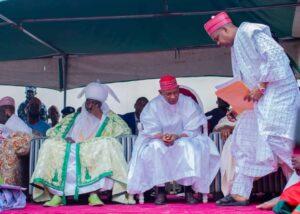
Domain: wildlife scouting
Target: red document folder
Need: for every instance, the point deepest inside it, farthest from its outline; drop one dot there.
(234, 92)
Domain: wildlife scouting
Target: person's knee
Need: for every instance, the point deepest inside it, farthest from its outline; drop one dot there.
(157, 145)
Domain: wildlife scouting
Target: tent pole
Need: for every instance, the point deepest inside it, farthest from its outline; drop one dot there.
(19, 27)
(65, 78)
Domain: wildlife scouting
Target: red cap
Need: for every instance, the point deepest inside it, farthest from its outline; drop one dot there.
(7, 101)
(167, 82)
(217, 22)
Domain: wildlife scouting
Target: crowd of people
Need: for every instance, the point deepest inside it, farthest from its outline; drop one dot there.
(81, 153)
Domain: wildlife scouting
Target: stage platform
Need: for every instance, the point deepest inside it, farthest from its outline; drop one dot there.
(171, 208)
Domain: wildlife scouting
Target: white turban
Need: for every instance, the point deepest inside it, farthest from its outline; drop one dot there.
(98, 91)
(86, 124)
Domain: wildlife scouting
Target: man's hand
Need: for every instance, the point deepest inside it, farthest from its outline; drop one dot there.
(169, 139)
(70, 140)
(254, 95)
(226, 131)
(231, 115)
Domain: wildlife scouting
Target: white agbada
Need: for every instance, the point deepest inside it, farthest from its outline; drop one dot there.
(263, 137)
(192, 160)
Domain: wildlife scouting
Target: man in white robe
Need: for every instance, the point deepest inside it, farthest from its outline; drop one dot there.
(263, 137)
(171, 147)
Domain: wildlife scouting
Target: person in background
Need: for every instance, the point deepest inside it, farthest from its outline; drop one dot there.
(67, 110)
(30, 92)
(53, 115)
(34, 120)
(217, 114)
(133, 118)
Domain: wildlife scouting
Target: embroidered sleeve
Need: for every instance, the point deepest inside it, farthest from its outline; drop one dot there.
(275, 63)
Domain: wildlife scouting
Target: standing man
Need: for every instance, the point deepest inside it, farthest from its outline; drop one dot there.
(263, 137)
(171, 146)
(30, 92)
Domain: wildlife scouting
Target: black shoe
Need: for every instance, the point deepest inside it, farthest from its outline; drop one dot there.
(190, 199)
(230, 201)
(189, 195)
(160, 198)
(224, 199)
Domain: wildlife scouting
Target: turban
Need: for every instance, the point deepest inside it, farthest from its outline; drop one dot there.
(216, 22)
(7, 101)
(167, 82)
(98, 91)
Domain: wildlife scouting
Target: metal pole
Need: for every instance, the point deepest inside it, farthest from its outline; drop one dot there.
(19, 27)
(164, 14)
(65, 78)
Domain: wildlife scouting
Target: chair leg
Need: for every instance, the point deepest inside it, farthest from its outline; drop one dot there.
(141, 198)
(204, 198)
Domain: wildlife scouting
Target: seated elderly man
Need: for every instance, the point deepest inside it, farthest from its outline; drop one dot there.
(171, 147)
(82, 154)
(15, 138)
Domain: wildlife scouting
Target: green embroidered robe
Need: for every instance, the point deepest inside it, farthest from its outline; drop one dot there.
(99, 157)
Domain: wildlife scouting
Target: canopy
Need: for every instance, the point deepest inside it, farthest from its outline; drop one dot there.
(62, 44)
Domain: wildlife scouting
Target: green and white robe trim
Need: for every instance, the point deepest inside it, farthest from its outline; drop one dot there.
(96, 158)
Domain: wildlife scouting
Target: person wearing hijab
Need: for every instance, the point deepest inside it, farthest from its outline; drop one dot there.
(82, 154)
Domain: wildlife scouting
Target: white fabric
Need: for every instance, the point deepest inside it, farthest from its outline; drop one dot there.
(242, 185)
(257, 58)
(265, 135)
(16, 124)
(85, 126)
(98, 91)
(257, 155)
(194, 158)
(227, 167)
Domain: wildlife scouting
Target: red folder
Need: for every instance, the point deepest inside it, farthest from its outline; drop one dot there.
(234, 92)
